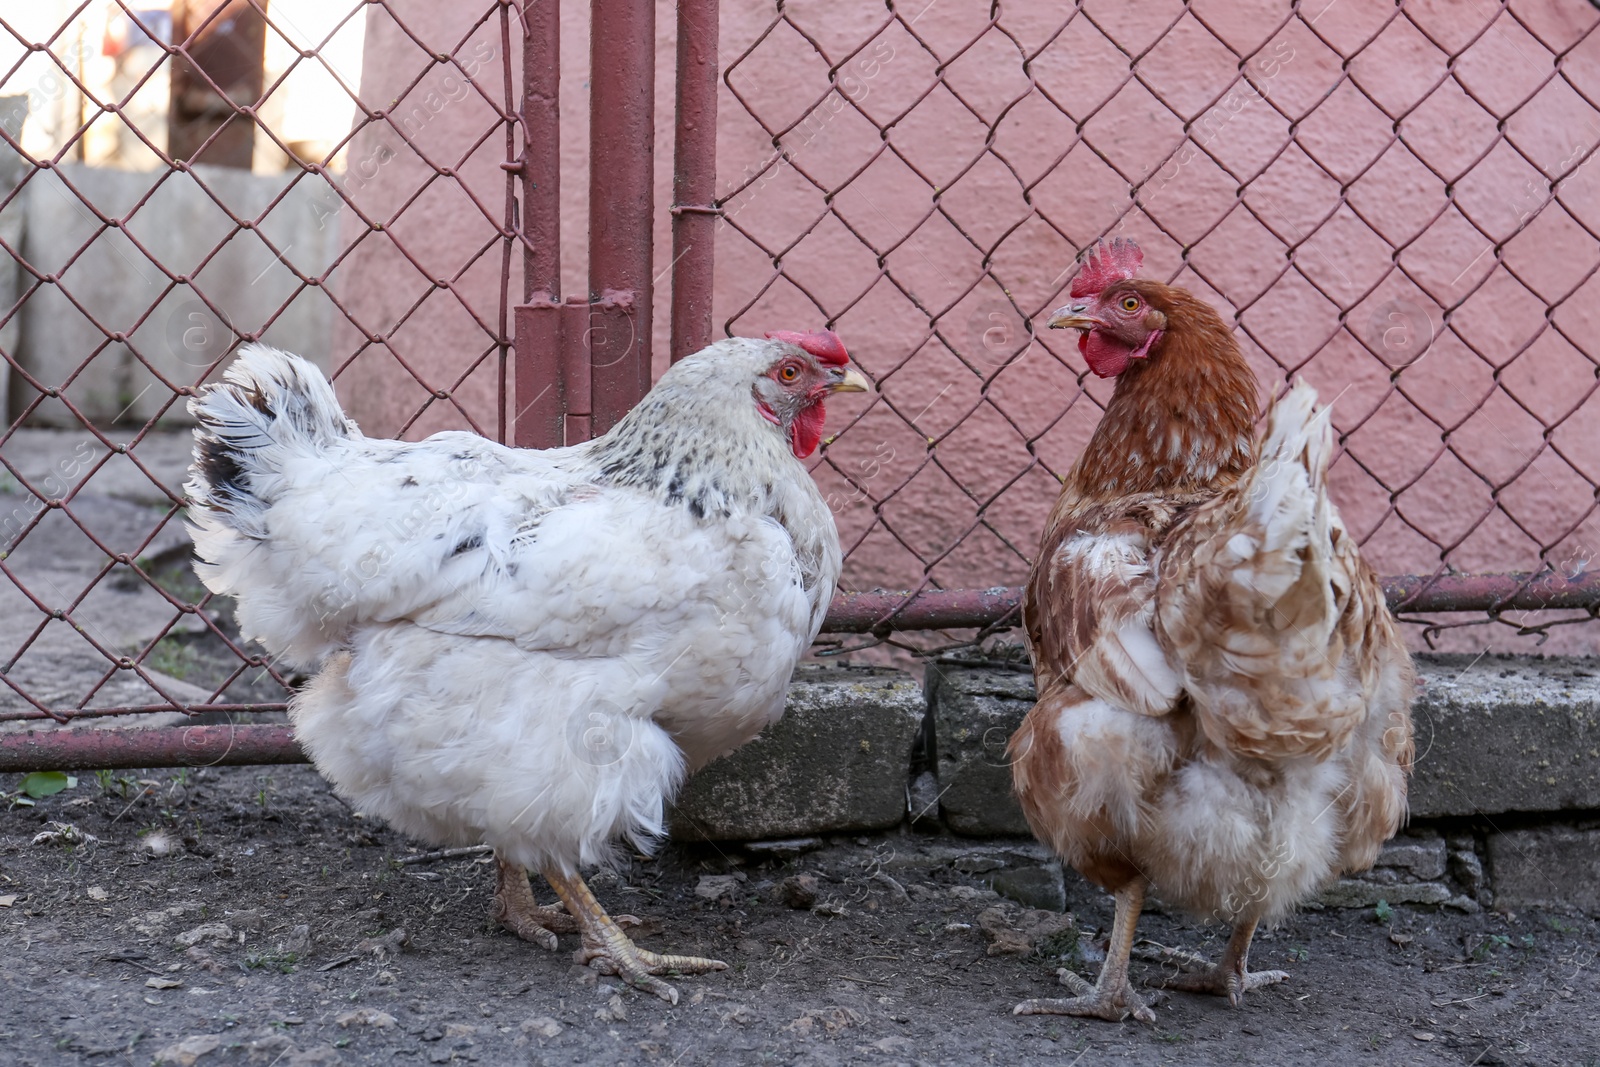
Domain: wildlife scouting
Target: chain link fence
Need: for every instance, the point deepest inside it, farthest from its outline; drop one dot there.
(1394, 201)
(176, 179)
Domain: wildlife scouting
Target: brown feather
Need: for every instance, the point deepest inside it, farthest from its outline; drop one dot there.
(1181, 421)
(1224, 698)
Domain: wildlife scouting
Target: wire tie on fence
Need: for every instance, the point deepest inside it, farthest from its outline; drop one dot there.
(696, 209)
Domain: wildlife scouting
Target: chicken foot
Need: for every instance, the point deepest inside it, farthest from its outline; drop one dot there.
(610, 951)
(515, 909)
(1230, 978)
(1111, 998)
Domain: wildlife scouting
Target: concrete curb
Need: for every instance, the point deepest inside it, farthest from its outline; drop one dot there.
(837, 762)
(1497, 738)
(1495, 735)
(1511, 734)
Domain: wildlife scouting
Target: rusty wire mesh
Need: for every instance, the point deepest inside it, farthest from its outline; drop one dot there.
(1394, 201)
(128, 277)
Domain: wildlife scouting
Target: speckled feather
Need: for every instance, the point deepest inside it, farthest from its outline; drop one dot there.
(1224, 699)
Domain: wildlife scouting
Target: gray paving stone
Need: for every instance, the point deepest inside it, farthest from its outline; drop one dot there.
(975, 711)
(1546, 865)
(1506, 734)
(836, 762)
(1494, 735)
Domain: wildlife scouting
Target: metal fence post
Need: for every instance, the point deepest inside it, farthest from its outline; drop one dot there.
(538, 420)
(621, 204)
(694, 177)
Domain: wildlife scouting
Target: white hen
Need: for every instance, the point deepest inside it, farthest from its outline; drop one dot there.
(529, 648)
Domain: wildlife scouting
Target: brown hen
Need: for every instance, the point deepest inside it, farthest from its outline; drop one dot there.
(1224, 698)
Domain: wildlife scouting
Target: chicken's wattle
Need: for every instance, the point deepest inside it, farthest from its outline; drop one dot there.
(1105, 357)
(805, 432)
(1109, 358)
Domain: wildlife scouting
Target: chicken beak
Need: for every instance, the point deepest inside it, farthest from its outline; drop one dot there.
(852, 381)
(1073, 317)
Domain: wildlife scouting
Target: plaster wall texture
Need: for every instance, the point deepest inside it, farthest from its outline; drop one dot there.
(931, 219)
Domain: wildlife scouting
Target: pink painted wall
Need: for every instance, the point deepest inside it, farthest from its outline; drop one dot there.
(928, 219)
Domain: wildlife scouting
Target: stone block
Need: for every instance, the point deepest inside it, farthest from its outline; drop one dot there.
(1494, 734)
(1421, 858)
(1363, 893)
(1467, 869)
(836, 762)
(1502, 734)
(1546, 865)
(975, 710)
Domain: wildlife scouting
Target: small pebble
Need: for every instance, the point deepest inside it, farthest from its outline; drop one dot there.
(542, 1025)
(799, 891)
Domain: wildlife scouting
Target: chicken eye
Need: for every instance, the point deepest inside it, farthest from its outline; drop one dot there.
(789, 372)
(1130, 303)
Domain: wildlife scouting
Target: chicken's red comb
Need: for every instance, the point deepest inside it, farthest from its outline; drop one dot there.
(1104, 264)
(823, 344)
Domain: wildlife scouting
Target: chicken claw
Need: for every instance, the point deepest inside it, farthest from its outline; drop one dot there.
(610, 951)
(1233, 983)
(1230, 978)
(1112, 998)
(1113, 1005)
(515, 909)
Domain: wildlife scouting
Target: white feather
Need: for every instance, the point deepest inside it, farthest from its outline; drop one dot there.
(524, 648)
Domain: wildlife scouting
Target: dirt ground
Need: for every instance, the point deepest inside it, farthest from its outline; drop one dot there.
(246, 915)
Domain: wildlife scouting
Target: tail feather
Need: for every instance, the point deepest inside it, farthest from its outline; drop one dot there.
(1290, 520)
(1253, 594)
(272, 420)
(269, 407)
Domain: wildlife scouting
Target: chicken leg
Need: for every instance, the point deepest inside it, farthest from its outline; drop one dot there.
(1230, 978)
(516, 910)
(1112, 997)
(608, 950)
